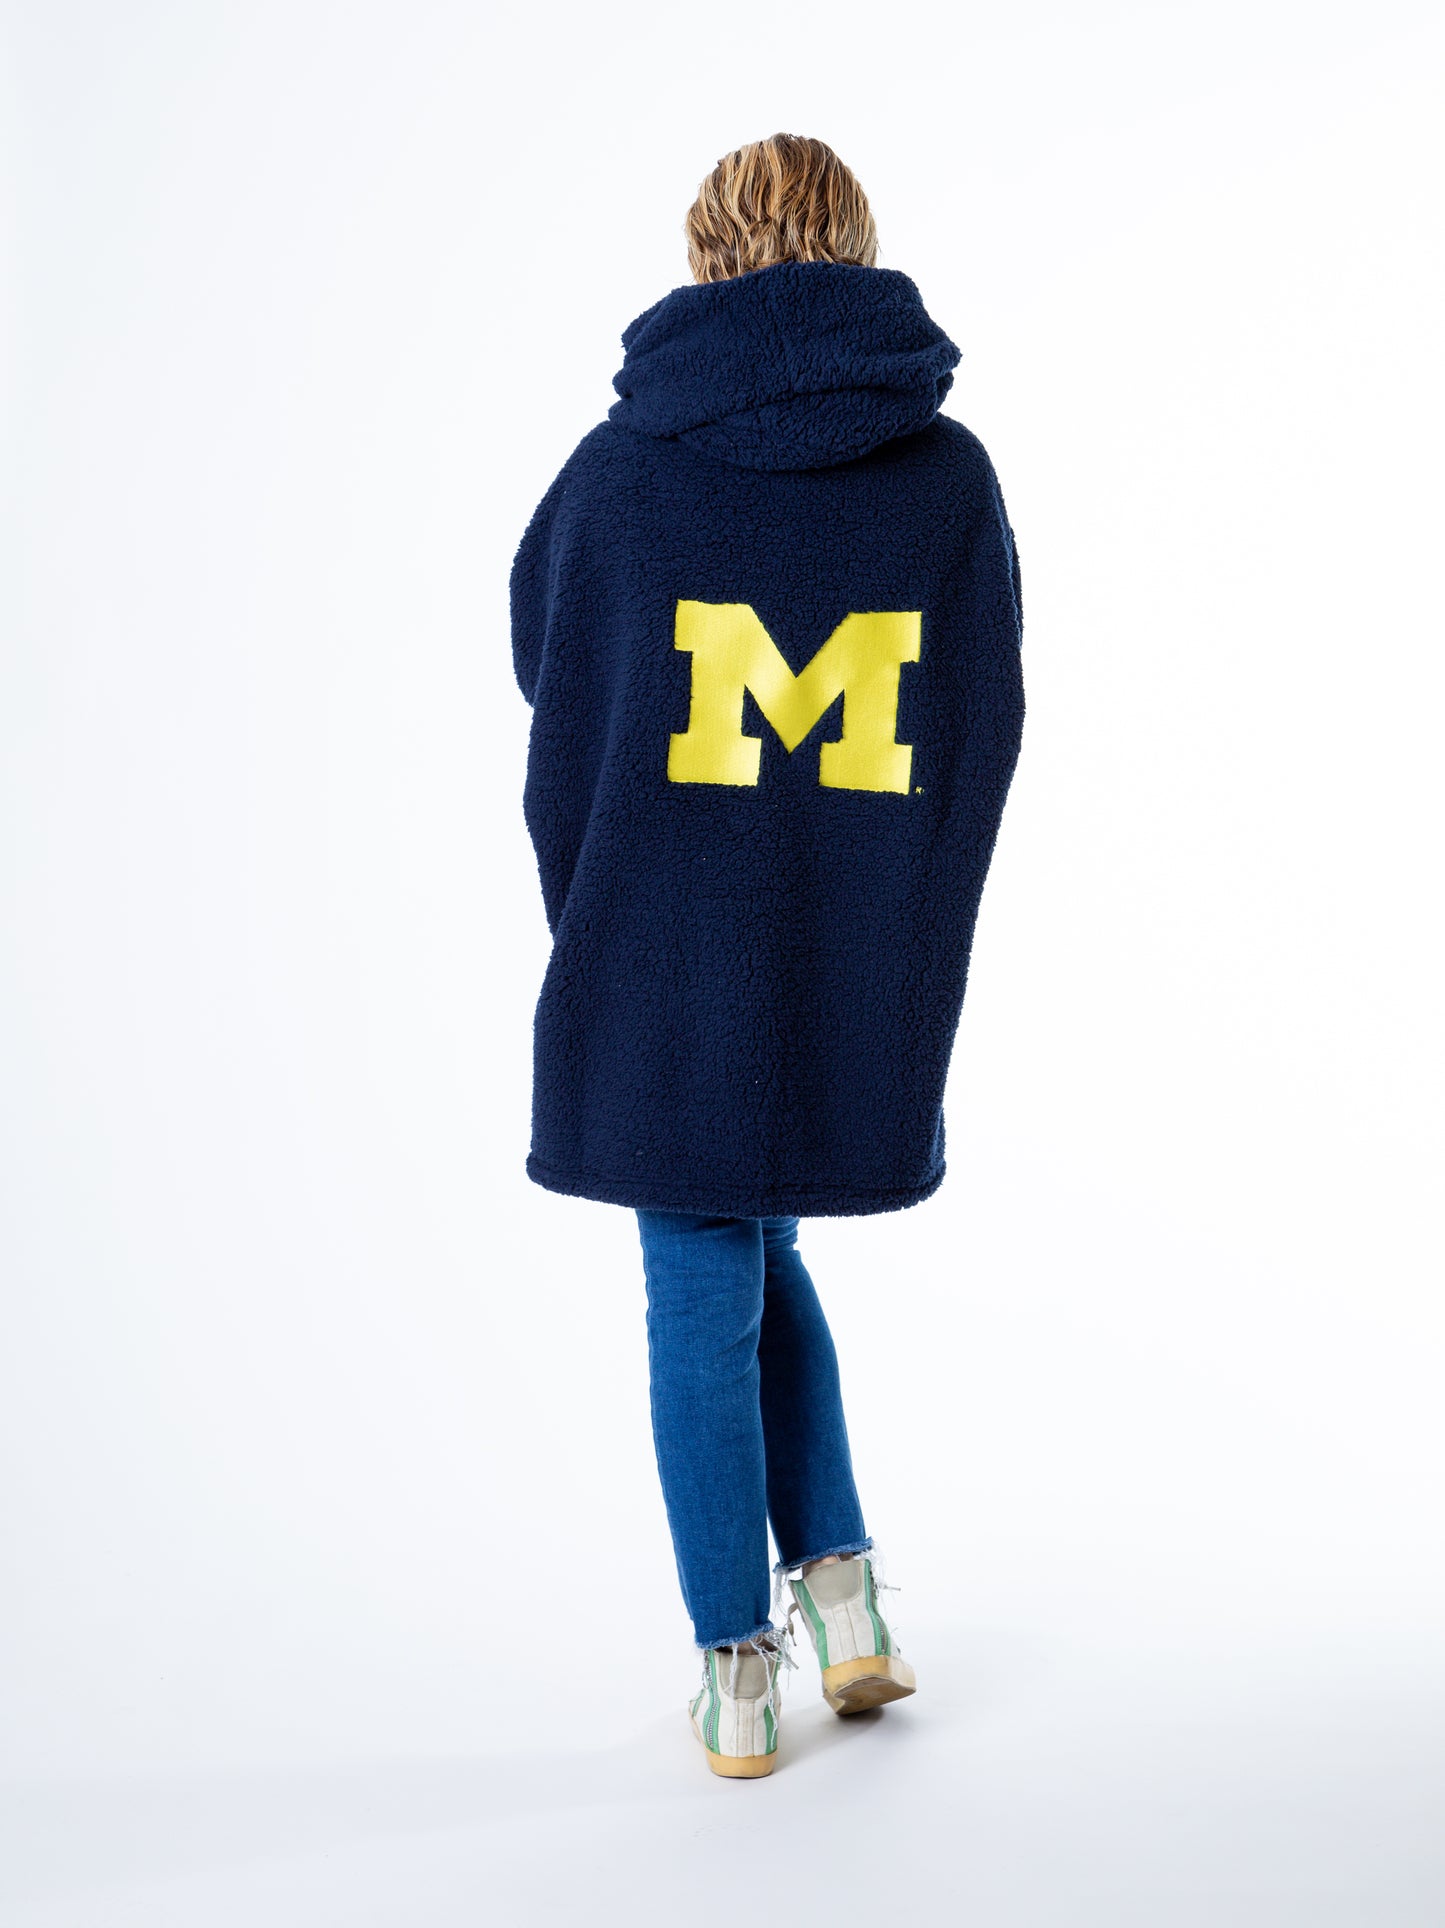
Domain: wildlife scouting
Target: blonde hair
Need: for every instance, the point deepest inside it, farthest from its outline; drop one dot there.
(783, 199)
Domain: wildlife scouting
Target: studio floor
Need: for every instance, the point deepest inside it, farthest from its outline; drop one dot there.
(1029, 1784)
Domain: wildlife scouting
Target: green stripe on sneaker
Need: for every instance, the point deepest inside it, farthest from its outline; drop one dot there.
(814, 1618)
(715, 1708)
(881, 1642)
(770, 1730)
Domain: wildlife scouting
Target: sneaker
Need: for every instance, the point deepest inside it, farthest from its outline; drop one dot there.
(735, 1715)
(861, 1667)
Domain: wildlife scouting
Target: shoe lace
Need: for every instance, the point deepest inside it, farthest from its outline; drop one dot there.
(880, 1585)
(776, 1650)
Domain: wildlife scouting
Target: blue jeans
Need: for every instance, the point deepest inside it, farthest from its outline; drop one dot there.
(747, 1413)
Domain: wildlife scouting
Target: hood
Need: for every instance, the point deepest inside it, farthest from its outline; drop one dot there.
(798, 366)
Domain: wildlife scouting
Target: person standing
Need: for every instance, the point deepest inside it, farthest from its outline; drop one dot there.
(768, 619)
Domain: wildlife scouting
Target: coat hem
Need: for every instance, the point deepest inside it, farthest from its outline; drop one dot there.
(721, 1201)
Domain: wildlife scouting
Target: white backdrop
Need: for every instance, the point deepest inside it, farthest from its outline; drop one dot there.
(336, 1584)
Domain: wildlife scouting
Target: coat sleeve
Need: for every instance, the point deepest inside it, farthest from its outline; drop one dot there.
(997, 514)
(980, 667)
(531, 586)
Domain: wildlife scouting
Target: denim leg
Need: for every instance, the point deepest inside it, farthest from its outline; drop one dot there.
(704, 1313)
(812, 1501)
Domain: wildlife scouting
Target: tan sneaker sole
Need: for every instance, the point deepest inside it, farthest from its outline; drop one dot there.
(736, 1767)
(740, 1767)
(855, 1685)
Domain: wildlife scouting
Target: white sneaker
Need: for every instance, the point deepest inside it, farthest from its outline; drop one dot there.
(735, 1716)
(861, 1666)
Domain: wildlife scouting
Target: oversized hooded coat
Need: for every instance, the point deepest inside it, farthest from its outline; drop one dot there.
(768, 620)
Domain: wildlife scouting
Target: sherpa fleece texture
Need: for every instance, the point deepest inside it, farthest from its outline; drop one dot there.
(754, 987)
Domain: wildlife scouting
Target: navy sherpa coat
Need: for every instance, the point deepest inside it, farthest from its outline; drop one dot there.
(768, 620)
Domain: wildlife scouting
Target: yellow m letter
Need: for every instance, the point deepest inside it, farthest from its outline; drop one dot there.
(861, 662)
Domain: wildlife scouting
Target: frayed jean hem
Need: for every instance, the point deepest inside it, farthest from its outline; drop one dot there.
(736, 1640)
(828, 1552)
